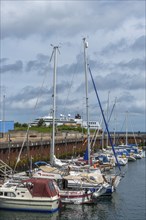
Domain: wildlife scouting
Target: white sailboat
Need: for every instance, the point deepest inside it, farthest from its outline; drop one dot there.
(75, 195)
(87, 109)
(81, 191)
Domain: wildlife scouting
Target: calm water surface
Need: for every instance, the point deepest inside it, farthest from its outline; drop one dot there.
(127, 203)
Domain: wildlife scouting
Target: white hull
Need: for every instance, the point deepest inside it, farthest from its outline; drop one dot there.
(131, 158)
(29, 205)
(75, 197)
(99, 192)
(30, 195)
(138, 156)
(122, 161)
(116, 181)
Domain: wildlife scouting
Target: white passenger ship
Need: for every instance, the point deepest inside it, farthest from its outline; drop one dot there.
(67, 120)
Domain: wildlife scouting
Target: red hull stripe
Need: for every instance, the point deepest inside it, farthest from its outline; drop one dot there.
(75, 196)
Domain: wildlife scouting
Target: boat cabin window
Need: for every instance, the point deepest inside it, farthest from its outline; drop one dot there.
(51, 186)
(59, 183)
(64, 183)
(9, 194)
(1, 193)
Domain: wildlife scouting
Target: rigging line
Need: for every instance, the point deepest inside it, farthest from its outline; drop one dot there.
(18, 158)
(104, 118)
(29, 124)
(111, 114)
(71, 84)
(69, 89)
(133, 134)
(117, 141)
(95, 138)
(39, 95)
(42, 85)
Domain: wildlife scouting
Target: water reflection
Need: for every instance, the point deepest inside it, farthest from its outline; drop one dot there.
(99, 211)
(12, 215)
(127, 203)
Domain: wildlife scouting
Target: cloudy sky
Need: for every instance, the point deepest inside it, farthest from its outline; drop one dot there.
(115, 31)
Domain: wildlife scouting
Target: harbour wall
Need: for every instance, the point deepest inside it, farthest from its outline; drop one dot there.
(37, 145)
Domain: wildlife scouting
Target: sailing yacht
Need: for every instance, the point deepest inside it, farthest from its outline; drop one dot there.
(81, 191)
(78, 188)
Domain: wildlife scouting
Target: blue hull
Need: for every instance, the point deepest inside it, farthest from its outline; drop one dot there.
(30, 210)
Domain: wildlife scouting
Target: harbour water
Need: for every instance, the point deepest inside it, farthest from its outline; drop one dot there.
(127, 203)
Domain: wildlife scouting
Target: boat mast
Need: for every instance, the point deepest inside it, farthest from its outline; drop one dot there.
(86, 84)
(55, 50)
(3, 120)
(126, 128)
(115, 122)
(107, 116)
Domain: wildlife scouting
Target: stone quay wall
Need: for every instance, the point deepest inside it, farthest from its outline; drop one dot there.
(36, 146)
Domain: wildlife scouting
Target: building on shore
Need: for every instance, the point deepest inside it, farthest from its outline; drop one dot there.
(6, 126)
(68, 121)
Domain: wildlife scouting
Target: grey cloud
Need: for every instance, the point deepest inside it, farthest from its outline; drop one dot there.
(78, 66)
(3, 60)
(43, 104)
(123, 46)
(136, 82)
(42, 57)
(115, 81)
(139, 44)
(40, 64)
(102, 66)
(110, 81)
(20, 108)
(102, 83)
(126, 97)
(53, 18)
(45, 22)
(74, 68)
(137, 109)
(133, 64)
(63, 86)
(36, 66)
(29, 92)
(129, 101)
(113, 48)
(16, 67)
(98, 64)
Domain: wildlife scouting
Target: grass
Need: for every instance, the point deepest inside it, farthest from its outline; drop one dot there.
(44, 129)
